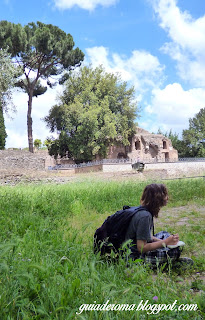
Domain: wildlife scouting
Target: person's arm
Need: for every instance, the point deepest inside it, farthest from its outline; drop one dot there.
(143, 246)
(155, 239)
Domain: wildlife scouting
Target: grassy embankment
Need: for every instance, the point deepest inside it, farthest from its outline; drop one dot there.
(47, 268)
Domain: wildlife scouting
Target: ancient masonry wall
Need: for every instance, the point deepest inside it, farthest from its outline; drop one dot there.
(24, 160)
(19, 159)
(174, 169)
(170, 170)
(117, 167)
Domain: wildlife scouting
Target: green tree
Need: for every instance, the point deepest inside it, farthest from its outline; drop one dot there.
(43, 51)
(8, 74)
(37, 143)
(95, 109)
(174, 137)
(47, 143)
(177, 143)
(194, 137)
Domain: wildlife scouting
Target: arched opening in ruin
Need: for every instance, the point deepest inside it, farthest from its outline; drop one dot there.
(164, 145)
(137, 145)
(121, 155)
(166, 156)
(153, 151)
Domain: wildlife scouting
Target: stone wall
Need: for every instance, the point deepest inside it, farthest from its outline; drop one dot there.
(179, 169)
(116, 167)
(170, 170)
(25, 160)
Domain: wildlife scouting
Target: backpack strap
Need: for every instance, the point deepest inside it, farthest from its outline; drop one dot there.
(139, 209)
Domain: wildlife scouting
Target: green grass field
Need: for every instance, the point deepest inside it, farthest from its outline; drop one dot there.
(48, 269)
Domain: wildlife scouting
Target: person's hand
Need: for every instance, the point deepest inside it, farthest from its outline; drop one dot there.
(172, 240)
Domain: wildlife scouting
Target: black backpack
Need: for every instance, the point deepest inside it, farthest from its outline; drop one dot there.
(111, 234)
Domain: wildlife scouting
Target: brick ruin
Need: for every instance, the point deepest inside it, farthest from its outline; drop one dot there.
(145, 147)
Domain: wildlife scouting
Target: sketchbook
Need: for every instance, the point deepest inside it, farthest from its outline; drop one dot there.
(178, 244)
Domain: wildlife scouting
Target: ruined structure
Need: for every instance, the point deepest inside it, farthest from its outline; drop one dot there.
(145, 147)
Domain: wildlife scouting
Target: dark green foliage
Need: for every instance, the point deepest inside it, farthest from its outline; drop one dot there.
(3, 134)
(192, 143)
(194, 137)
(47, 143)
(37, 143)
(43, 49)
(174, 137)
(60, 146)
(96, 109)
(37, 91)
(177, 143)
(41, 45)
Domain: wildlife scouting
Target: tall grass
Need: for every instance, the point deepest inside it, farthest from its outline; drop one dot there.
(48, 269)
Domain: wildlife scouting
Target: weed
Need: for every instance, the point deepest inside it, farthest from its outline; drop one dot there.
(48, 269)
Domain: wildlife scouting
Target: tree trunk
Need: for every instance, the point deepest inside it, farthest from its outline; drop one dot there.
(29, 123)
(3, 134)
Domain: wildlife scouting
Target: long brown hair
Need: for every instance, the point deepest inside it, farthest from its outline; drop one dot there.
(154, 197)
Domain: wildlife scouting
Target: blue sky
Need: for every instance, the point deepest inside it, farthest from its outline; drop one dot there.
(158, 46)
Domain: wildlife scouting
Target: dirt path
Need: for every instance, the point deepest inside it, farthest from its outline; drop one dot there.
(14, 177)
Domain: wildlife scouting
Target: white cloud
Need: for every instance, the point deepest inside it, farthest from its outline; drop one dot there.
(17, 128)
(181, 27)
(142, 69)
(187, 44)
(83, 4)
(173, 106)
(16, 139)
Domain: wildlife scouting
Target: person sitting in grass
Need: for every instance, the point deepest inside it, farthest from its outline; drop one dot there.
(152, 249)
